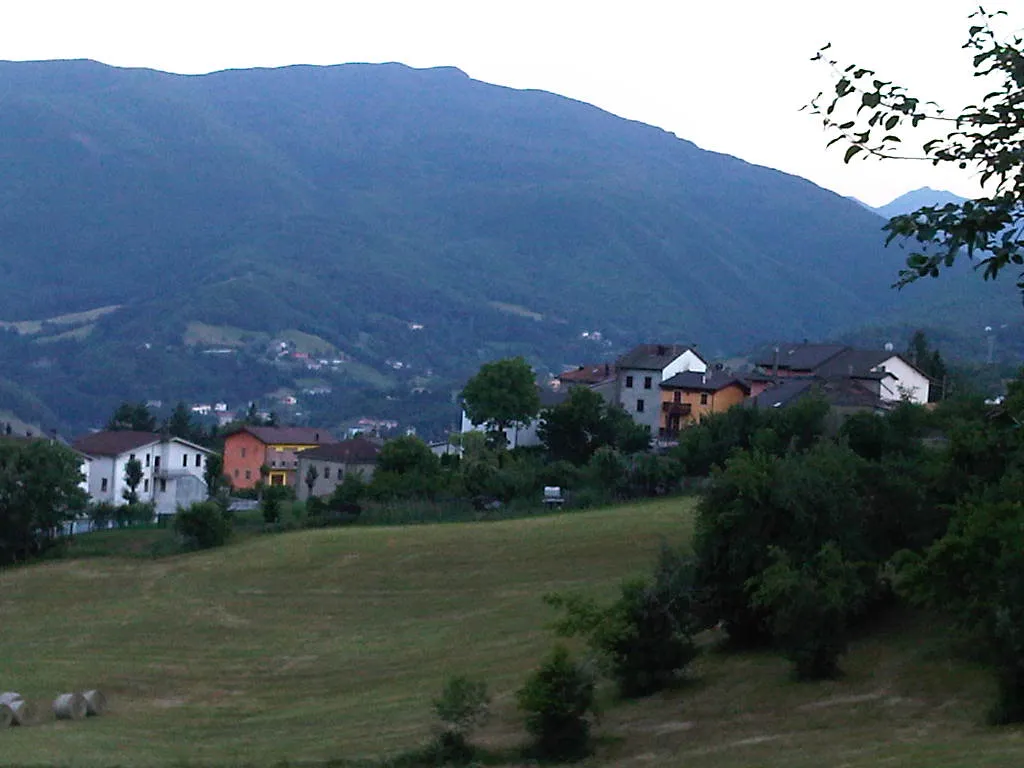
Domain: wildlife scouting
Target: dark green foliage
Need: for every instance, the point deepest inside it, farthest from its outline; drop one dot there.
(502, 394)
(809, 604)
(558, 699)
(582, 424)
(271, 503)
(871, 115)
(203, 525)
(406, 468)
(213, 474)
(133, 513)
(38, 493)
(773, 431)
(349, 491)
(102, 514)
(132, 479)
(974, 576)
(644, 639)
(798, 503)
(463, 706)
(132, 416)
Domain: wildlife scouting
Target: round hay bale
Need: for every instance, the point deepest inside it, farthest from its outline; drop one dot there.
(6, 716)
(95, 702)
(9, 696)
(23, 712)
(70, 706)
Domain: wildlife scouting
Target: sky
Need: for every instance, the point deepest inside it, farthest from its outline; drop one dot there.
(729, 75)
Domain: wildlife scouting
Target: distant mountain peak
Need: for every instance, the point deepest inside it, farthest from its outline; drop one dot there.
(918, 198)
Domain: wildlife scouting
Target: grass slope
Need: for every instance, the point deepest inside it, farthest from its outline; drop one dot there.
(330, 644)
(303, 646)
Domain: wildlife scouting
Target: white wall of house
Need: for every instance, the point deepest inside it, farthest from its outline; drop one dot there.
(516, 437)
(639, 393)
(908, 384)
(172, 474)
(688, 361)
(85, 468)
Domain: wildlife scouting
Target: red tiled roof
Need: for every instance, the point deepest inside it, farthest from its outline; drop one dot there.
(588, 374)
(355, 451)
(113, 442)
(290, 435)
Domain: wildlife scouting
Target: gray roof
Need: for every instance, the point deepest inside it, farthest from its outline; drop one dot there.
(855, 362)
(785, 392)
(701, 382)
(652, 357)
(358, 450)
(801, 357)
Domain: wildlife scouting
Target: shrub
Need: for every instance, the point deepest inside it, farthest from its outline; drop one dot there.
(809, 607)
(558, 699)
(975, 576)
(645, 637)
(203, 525)
(464, 705)
(797, 503)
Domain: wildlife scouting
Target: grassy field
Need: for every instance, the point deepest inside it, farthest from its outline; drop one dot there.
(330, 644)
(28, 327)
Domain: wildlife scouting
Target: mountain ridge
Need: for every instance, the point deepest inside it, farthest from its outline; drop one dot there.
(352, 200)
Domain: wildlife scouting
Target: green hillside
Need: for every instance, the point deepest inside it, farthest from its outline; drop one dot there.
(331, 644)
(350, 202)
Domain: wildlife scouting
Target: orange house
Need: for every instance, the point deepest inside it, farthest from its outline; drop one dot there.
(688, 397)
(253, 450)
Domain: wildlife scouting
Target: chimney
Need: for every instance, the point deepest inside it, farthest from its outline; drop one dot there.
(662, 351)
(316, 437)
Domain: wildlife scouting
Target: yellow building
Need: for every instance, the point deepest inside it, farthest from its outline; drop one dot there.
(688, 397)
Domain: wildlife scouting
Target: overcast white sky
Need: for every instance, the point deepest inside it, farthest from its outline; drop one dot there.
(729, 75)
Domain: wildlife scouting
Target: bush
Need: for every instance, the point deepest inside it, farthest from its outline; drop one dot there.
(644, 639)
(464, 705)
(203, 525)
(810, 606)
(558, 699)
(797, 503)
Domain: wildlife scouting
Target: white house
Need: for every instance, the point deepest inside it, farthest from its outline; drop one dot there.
(172, 468)
(639, 373)
(905, 383)
(522, 435)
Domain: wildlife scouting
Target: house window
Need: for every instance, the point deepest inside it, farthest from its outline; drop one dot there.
(103, 485)
(647, 382)
(639, 406)
(327, 473)
(147, 459)
(184, 460)
(199, 459)
(145, 485)
(629, 382)
(248, 474)
(131, 457)
(273, 462)
(236, 473)
(243, 451)
(163, 485)
(703, 398)
(677, 397)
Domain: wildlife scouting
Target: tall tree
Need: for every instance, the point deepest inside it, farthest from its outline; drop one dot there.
(502, 394)
(871, 116)
(132, 416)
(132, 479)
(577, 427)
(179, 423)
(39, 492)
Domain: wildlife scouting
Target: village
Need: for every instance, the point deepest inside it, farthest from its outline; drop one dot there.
(664, 389)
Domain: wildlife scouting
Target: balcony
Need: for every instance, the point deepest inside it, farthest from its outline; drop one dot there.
(676, 409)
